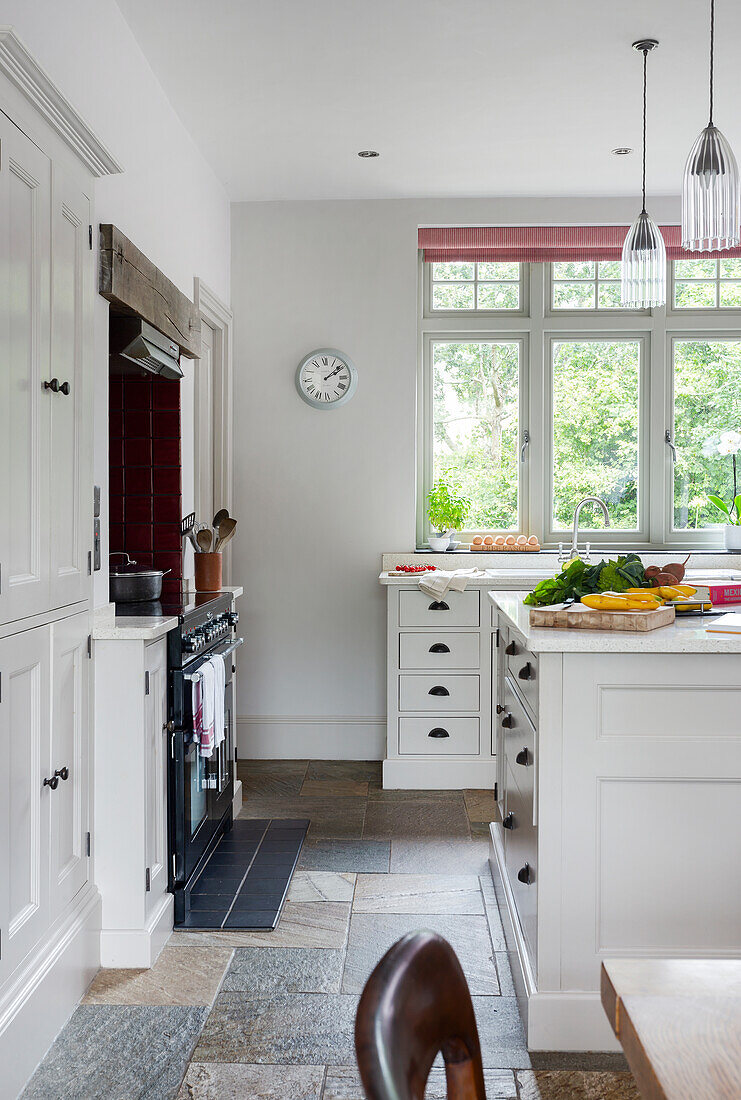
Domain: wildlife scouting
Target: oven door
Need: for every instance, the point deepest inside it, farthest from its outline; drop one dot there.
(201, 788)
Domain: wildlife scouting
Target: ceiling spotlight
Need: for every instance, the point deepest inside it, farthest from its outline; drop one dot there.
(622, 151)
(368, 153)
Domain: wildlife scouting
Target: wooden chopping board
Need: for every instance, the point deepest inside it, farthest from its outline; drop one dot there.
(579, 617)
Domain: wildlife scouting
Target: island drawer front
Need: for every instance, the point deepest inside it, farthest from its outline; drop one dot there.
(522, 666)
(440, 693)
(521, 859)
(427, 736)
(439, 650)
(519, 743)
(455, 609)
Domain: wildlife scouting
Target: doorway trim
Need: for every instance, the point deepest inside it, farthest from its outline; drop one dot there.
(217, 315)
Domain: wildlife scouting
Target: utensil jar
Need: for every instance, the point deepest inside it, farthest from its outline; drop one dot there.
(208, 572)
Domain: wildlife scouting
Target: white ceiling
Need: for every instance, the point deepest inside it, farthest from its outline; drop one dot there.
(461, 97)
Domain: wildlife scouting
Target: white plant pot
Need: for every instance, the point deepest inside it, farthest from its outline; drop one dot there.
(439, 543)
(732, 536)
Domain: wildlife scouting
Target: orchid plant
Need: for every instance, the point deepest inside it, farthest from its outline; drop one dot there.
(729, 444)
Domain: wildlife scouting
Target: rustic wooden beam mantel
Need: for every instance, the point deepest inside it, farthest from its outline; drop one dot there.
(132, 284)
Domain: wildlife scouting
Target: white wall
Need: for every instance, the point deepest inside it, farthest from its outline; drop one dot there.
(320, 495)
(167, 200)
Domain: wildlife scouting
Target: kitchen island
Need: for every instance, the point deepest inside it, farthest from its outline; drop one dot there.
(619, 793)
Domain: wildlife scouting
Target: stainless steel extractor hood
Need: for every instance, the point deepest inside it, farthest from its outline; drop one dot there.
(136, 344)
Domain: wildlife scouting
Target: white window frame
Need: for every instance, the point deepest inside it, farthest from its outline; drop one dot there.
(537, 328)
(698, 311)
(522, 311)
(551, 311)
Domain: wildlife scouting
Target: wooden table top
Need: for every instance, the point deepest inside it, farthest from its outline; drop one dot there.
(679, 1023)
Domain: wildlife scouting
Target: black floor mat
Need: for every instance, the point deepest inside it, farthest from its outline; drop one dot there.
(245, 882)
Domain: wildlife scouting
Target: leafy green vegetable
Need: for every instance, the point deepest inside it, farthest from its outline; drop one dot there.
(577, 579)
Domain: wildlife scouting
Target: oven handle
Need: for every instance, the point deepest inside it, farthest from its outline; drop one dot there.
(221, 652)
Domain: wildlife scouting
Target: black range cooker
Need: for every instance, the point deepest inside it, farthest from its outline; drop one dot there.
(200, 788)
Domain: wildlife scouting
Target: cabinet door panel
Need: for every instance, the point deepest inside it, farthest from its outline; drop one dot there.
(70, 749)
(71, 458)
(24, 800)
(24, 411)
(156, 771)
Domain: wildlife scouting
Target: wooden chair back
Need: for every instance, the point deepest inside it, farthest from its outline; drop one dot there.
(415, 1004)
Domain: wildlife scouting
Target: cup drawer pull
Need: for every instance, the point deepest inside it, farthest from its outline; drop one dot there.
(508, 721)
(509, 821)
(511, 649)
(438, 732)
(523, 757)
(438, 605)
(438, 689)
(526, 672)
(439, 647)
(525, 874)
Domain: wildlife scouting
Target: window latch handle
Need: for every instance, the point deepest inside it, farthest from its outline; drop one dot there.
(670, 444)
(525, 444)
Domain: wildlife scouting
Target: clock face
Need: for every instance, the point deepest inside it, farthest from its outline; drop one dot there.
(326, 378)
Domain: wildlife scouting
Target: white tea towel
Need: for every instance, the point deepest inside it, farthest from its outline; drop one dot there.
(220, 681)
(204, 707)
(437, 584)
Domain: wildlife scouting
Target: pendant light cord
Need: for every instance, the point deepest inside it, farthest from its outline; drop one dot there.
(712, 53)
(645, 59)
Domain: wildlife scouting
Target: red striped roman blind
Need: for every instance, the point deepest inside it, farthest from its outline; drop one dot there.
(541, 243)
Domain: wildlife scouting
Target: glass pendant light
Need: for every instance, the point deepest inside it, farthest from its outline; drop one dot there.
(711, 196)
(644, 251)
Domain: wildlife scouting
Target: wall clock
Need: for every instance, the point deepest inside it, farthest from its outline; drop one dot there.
(326, 378)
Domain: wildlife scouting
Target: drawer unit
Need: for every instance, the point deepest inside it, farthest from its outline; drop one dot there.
(457, 609)
(521, 858)
(518, 743)
(522, 666)
(439, 736)
(440, 693)
(439, 650)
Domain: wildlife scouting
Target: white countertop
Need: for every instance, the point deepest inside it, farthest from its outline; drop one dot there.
(684, 636)
(516, 578)
(144, 628)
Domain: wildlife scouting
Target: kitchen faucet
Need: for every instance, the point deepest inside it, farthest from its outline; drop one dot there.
(574, 551)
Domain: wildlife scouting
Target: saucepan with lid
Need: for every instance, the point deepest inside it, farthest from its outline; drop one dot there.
(131, 585)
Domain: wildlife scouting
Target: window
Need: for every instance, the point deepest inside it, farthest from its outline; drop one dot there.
(588, 285)
(528, 411)
(707, 284)
(476, 386)
(595, 388)
(707, 401)
(475, 287)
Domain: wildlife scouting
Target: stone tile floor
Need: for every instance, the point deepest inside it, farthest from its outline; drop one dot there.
(225, 1015)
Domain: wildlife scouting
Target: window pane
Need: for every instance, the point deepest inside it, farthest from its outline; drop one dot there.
(730, 295)
(452, 271)
(573, 270)
(608, 296)
(730, 269)
(495, 272)
(610, 269)
(453, 296)
(498, 296)
(596, 413)
(707, 401)
(695, 269)
(476, 434)
(694, 295)
(573, 295)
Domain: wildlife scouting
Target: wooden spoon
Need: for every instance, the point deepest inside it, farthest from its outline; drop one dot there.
(227, 528)
(222, 514)
(203, 538)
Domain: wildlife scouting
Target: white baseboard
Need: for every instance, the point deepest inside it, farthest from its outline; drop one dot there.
(39, 1001)
(309, 737)
(438, 775)
(138, 948)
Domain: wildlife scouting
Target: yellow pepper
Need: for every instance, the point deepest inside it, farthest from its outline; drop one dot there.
(617, 601)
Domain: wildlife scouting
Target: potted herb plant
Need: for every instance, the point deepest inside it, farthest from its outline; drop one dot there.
(447, 510)
(730, 444)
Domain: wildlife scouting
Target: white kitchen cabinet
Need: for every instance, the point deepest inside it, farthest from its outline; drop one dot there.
(71, 755)
(25, 803)
(46, 297)
(439, 732)
(131, 766)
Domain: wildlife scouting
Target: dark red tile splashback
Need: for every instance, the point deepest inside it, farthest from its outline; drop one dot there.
(145, 473)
